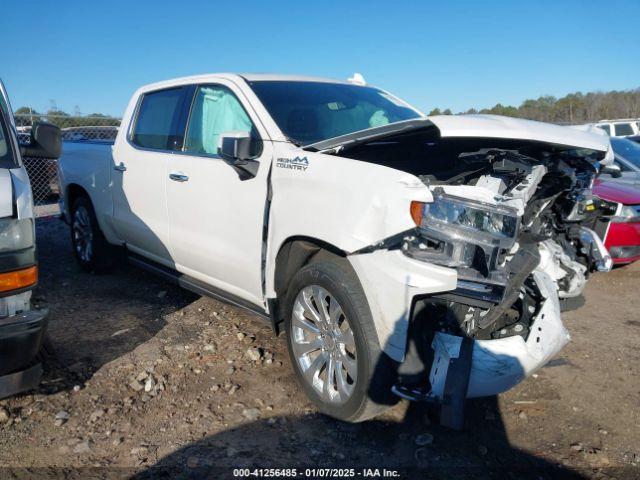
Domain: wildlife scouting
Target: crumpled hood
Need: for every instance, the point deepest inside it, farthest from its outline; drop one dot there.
(478, 126)
(6, 193)
(496, 126)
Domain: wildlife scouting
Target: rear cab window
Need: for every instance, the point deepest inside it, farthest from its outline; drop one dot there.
(161, 117)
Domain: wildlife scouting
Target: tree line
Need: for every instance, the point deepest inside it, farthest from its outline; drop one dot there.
(574, 108)
(25, 116)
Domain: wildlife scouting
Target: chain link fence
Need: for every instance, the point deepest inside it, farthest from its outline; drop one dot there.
(43, 172)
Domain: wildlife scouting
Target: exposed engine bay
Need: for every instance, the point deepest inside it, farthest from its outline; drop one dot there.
(502, 209)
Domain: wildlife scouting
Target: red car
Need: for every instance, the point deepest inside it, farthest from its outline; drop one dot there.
(622, 238)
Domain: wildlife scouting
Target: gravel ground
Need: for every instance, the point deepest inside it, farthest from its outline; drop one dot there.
(149, 380)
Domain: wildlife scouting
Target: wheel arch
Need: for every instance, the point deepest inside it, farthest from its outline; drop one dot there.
(294, 253)
(72, 192)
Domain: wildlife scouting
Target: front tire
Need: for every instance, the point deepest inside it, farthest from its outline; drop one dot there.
(91, 249)
(333, 344)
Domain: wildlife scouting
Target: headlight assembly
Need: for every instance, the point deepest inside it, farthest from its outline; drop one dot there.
(16, 234)
(457, 232)
(466, 217)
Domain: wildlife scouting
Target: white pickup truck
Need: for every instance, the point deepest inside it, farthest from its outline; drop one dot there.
(420, 255)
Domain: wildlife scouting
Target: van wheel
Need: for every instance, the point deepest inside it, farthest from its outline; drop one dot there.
(91, 249)
(333, 343)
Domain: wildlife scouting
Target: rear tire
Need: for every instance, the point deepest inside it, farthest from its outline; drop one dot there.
(91, 249)
(339, 337)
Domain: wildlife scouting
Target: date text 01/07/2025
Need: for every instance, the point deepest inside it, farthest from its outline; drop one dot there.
(316, 473)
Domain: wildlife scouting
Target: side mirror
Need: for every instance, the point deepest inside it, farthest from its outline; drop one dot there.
(235, 149)
(613, 170)
(46, 141)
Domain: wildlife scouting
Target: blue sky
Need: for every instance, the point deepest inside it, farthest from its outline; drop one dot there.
(93, 55)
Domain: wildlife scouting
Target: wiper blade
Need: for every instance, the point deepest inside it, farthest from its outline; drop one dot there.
(369, 134)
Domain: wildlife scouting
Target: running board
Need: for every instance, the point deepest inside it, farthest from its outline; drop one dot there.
(196, 286)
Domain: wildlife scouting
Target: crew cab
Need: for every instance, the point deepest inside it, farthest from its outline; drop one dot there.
(22, 328)
(423, 256)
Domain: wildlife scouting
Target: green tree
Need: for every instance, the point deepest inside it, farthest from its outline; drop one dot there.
(26, 116)
(59, 118)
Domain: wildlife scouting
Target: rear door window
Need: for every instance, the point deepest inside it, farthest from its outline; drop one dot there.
(161, 118)
(605, 128)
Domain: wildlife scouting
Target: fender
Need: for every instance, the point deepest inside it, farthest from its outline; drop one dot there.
(315, 202)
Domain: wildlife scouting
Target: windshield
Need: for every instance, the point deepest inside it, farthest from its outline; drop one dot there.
(627, 149)
(310, 112)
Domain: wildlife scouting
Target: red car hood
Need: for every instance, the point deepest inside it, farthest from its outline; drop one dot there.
(616, 192)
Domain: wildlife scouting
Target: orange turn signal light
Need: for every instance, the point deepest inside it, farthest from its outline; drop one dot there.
(18, 279)
(417, 211)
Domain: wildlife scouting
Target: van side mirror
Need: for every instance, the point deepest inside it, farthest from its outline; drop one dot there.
(235, 149)
(613, 170)
(45, 141)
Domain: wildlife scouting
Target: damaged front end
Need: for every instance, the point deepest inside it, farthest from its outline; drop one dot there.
(532, 215)
(513, 218)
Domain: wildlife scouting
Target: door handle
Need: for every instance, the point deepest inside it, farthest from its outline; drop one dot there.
(178, 177)
(120, 168)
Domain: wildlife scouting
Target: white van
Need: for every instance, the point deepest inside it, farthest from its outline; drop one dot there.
(22, 328)
(620, 128)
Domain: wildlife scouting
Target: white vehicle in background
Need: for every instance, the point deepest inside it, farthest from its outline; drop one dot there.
(620, 128)
(89, 133)
(22, 328)
(423, 256)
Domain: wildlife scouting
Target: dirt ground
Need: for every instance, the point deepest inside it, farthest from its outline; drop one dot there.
(151, 381)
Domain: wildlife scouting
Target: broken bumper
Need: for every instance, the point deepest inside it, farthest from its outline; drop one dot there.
(498, 365)
(391, 281)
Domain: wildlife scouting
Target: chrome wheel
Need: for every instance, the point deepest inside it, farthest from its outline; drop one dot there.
(82, 234)
(323, 344)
